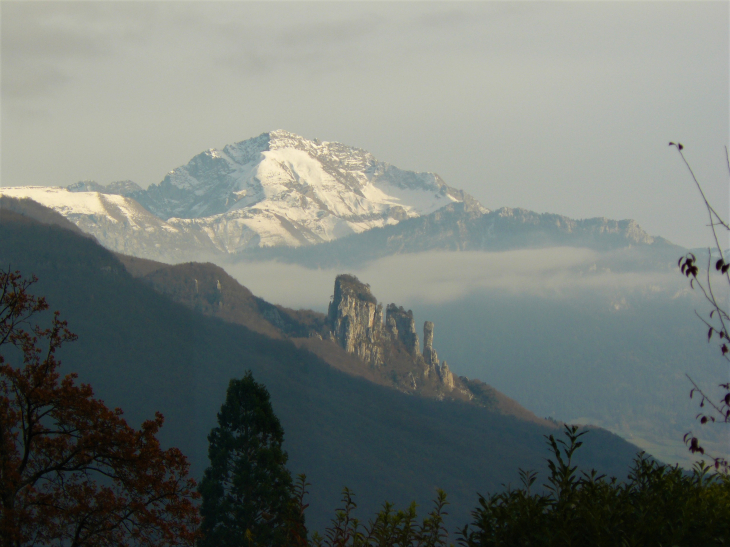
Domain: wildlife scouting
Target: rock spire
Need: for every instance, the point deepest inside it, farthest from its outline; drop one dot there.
(355, 320)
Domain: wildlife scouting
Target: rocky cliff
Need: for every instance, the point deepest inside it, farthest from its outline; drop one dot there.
(353, 337)
(356, 320)
(356, 323)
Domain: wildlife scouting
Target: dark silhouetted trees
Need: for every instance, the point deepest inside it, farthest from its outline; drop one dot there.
(248, 494)
(389, 527)
(658, 505)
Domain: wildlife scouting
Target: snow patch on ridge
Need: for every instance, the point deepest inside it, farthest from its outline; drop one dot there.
(73, 203)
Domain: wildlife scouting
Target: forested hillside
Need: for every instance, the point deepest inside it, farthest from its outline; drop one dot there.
(142, 352)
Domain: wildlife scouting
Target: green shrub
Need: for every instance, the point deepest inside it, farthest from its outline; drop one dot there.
(659, 505)
(389, 528)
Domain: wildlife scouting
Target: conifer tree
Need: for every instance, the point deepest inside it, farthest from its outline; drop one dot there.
(247, 490)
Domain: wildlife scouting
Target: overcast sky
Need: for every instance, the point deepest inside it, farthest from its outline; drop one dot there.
(555, 107)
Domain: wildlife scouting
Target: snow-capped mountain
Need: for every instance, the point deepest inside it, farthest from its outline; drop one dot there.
(277, 189)
(322, 187)
(119, 223)
(283, 196)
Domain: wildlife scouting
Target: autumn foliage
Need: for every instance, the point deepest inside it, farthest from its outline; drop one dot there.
(72, 472)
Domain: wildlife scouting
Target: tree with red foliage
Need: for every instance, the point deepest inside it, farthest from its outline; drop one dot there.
(72, 472)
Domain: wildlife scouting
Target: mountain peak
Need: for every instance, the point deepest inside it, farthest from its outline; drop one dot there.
(280, 139)
(286, 139)
(278, 189)
(283, 189)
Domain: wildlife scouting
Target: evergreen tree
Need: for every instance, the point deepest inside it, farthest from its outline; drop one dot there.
(247, 490)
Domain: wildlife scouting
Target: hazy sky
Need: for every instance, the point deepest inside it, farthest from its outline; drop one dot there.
(555, 107)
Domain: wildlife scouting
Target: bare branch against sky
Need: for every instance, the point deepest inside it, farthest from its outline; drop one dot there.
(559, 107)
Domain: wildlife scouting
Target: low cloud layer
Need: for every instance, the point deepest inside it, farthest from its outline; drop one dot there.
(438, 277)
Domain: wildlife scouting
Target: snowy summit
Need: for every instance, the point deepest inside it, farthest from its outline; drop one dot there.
(282, 189)
(277, 189)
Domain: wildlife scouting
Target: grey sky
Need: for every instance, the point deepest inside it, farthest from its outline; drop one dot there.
(557, 107)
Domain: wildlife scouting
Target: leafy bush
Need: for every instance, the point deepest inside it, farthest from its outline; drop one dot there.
(658, 505)
(389, 528)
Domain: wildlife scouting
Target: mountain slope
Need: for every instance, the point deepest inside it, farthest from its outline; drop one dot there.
(210, 290)
(119, 223)
(143, 352)
(35, 212)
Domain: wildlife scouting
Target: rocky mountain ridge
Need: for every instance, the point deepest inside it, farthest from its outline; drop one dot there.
(458, 228)
(388, 351)
(282, 196)
(354, 336)
(277, 189)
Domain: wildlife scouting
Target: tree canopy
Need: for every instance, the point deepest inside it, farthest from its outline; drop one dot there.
(658, 505)
(72, 472)
(248, 494)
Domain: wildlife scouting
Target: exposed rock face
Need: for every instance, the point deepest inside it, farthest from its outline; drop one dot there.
(391, 328)
(429, 354)
(356, 319)
(447, 377)
(405, 327)
(440, 371)
(427, 336)
(356, 323)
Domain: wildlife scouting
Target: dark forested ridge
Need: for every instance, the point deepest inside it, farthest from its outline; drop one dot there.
(28, 211)
(208, 289)
(143, 352)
